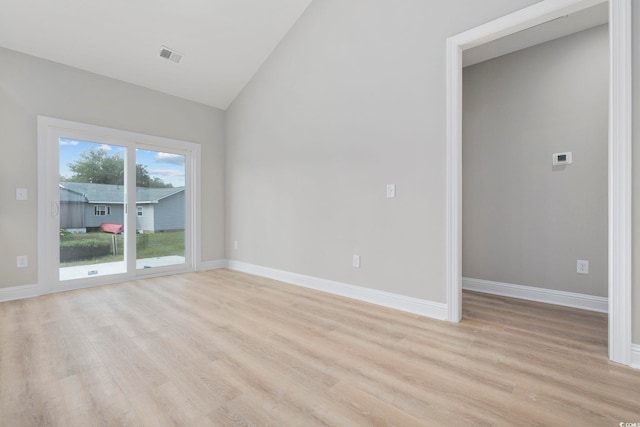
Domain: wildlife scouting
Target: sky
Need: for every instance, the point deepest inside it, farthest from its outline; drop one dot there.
(168, 167)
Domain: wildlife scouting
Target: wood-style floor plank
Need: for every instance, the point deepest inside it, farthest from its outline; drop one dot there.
(223, 348)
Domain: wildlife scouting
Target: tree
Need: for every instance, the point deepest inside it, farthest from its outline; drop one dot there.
(143, 179)
(98, 167)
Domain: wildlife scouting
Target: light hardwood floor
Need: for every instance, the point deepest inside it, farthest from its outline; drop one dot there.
(225, 348)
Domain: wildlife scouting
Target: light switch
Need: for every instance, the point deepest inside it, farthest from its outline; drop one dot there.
(21, 194)
(391, 191)
(356, 261)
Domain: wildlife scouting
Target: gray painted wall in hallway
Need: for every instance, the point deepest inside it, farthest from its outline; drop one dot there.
(524, 221)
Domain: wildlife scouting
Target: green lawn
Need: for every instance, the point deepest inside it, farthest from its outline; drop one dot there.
(160, 244)
(147, 246)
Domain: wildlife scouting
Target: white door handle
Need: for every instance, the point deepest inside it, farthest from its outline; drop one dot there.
(55, 209)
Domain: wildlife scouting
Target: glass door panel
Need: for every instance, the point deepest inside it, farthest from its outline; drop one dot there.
(92, 200)
(160, 209)
(114, 205)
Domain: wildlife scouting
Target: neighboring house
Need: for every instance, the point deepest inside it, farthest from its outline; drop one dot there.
(85, 207)
(72, 209)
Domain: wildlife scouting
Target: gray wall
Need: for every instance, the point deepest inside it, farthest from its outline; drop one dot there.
(115, 216)
(72, 214)
(30, 87)
(524, 221)
(352, 99)
(169, 213)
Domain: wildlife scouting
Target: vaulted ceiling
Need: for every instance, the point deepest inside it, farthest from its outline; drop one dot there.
(224, 42)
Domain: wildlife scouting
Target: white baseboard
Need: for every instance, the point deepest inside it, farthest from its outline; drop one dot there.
(567, 299)
(635, 356)
(212, 265)
(19, 292)
(399, 302)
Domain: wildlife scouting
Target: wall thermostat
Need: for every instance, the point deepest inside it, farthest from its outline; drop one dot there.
(561, 159)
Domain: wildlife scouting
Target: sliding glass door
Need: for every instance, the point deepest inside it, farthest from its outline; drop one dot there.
(160, 208)
(91, 214)
(115, 205)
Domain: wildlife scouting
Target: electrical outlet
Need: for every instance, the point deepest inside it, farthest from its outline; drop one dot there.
(356, 261)
(21, 194)
(582, 267)
(22, 261)
(235, 244)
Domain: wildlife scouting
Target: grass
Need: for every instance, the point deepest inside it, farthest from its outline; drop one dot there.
(147, 246)
(160, 244)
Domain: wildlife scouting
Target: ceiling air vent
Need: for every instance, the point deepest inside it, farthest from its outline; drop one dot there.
(170, 54)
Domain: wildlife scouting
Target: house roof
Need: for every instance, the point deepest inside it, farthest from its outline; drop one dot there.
(112, 194)
(69, 195)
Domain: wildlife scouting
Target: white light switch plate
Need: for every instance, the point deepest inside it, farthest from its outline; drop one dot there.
(356, 261)
(391, 191)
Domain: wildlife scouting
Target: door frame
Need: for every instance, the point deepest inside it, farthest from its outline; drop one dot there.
(46, 151)
(620, 161)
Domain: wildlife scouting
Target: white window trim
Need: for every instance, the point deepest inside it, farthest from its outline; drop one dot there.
(97, 210)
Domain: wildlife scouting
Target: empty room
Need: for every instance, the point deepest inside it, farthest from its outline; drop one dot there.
(319, 212)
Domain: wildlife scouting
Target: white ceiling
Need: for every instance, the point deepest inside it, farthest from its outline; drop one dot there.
(224, 42)
(579, 21)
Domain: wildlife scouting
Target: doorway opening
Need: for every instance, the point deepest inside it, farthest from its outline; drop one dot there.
(529, 216)
(619, 158)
